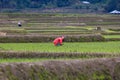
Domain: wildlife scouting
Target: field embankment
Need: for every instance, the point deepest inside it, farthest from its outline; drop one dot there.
(55, 55)
(94, 69)
(48, 38)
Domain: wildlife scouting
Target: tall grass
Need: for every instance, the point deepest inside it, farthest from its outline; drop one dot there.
(89, 47)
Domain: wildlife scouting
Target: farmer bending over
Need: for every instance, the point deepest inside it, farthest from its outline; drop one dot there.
(58, 41)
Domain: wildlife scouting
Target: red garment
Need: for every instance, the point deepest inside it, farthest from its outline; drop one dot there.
(58, 40)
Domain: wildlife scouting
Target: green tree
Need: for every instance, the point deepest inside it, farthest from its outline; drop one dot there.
(112, 5)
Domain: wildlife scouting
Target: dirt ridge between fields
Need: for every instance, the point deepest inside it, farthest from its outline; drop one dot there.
(90, 69)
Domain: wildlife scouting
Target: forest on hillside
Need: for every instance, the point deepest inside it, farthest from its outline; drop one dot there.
(104, 5)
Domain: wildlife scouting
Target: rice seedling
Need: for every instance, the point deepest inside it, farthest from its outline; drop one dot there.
(89, 47)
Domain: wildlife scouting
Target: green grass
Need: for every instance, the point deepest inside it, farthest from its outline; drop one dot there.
(10, 60)
(20, 60)
(99, 47)
(112, 36)
(56, 31)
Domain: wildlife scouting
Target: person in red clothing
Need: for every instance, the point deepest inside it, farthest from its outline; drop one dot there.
(58, 41)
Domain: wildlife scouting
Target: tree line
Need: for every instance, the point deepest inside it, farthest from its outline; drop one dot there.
(108, 5)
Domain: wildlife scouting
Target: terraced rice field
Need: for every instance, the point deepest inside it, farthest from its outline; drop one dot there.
(61, 24)
(86, 47)
(71, 61)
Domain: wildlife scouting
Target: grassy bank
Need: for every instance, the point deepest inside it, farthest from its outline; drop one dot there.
(95, 69)
(48, 38)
